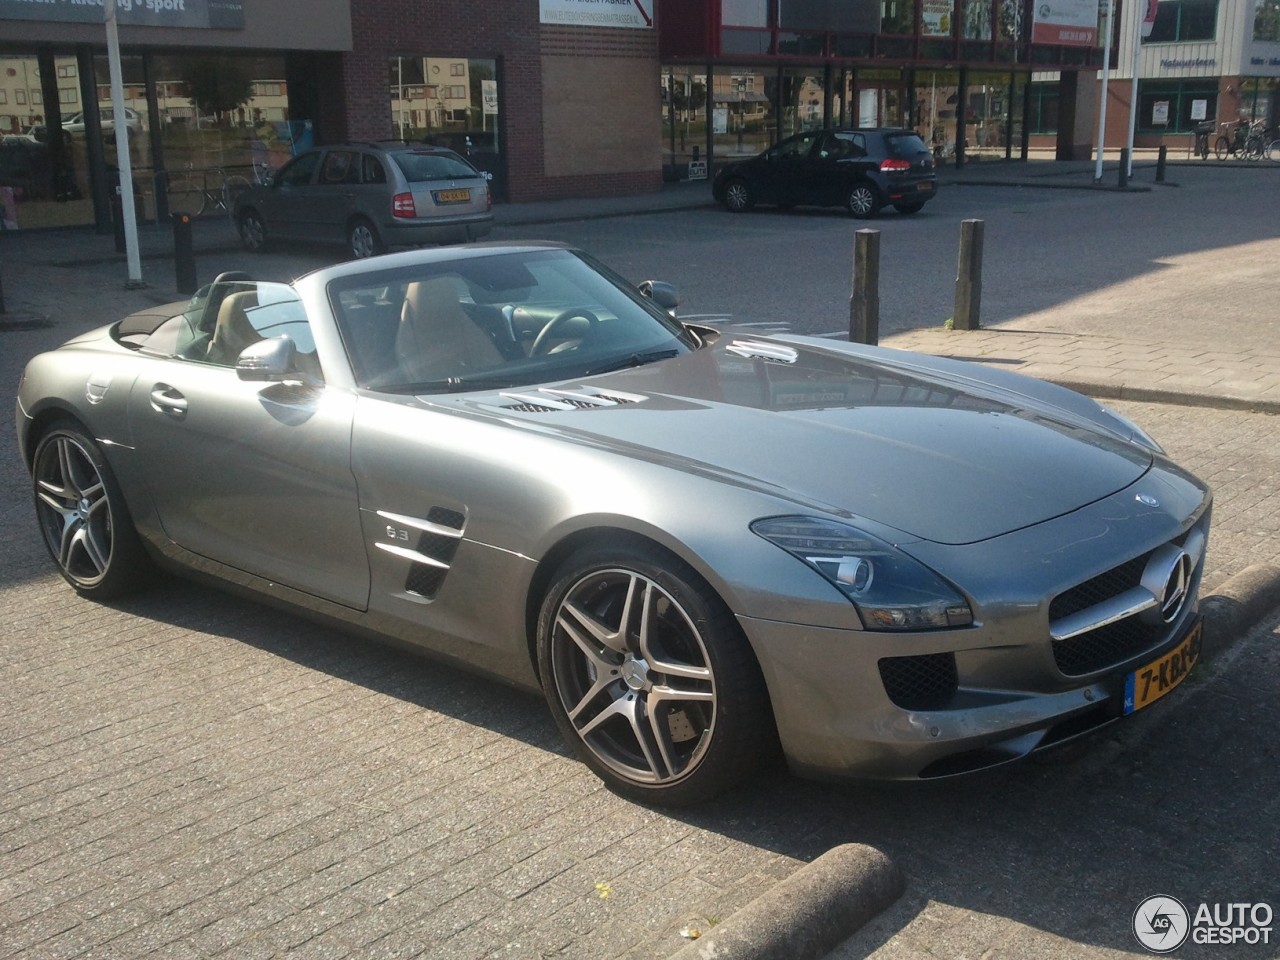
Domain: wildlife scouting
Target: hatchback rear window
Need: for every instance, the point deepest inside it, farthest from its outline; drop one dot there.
(905, 145)
(421, 167)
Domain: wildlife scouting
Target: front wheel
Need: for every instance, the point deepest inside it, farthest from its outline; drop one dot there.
(649, 676)
(863, 201)
(738, 197)
(83, 517)
(363, 240)
(1273, 151)
(253, 232)
(1222, 148)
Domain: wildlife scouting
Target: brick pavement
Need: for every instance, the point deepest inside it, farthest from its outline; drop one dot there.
(192, 775)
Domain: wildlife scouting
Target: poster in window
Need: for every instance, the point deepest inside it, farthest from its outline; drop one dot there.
(1199, 109)
(1160, 113)
(935, 18)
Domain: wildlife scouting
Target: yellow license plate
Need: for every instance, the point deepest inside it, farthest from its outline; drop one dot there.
(1148, 684)
(925, 186)
(453, 196)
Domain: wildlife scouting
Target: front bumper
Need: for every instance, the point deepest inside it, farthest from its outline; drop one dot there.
(851, 703)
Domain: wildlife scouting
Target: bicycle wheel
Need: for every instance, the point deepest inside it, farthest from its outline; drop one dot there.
(1221, 147)
(1254, 148)
(1273, 151)
(186, 196)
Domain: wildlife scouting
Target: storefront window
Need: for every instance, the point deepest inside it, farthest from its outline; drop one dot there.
(897, 16)
(744, 13)
(1266, 21)
(684, 120)
(936, 98)
(976, 20)
(1176, 106)
(1183, 20)
(742, 112)
(1044, 107)
(43, 174)
(877, 98)
(452, 102)
(801, 96)
(987, 119)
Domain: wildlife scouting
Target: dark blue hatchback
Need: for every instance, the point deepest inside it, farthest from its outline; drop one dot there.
(861, 170)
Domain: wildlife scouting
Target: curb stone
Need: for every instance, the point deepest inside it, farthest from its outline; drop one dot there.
(1238, 606)
(810, 913)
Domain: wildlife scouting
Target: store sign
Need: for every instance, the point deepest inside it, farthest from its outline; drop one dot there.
(223, 14)
(1072, 23)
(598, 13)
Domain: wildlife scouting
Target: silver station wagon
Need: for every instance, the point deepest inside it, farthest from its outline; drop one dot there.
(368, 196)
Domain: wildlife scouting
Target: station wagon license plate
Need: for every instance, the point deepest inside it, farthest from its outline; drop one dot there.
(452, 196)
(1148, 684)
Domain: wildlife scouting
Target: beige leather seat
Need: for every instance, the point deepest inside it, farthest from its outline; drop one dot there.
(436, 339)
(233, 331)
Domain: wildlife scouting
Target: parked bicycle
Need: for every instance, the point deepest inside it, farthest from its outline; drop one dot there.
(200, 192)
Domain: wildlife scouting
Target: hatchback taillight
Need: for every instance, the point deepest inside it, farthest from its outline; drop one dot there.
(894, 165)
(402, 205)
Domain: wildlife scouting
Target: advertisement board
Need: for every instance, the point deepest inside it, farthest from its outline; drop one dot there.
(636, 14)
(1072, 23)
(223, 14)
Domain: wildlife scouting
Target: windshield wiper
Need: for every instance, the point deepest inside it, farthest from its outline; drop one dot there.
(634, 360)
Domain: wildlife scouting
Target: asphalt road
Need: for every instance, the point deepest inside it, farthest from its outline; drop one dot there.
(192, 775)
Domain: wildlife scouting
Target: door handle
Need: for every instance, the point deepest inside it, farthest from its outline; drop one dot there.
(165, 399)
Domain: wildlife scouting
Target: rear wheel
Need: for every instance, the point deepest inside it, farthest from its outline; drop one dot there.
(363, 240)
(83, 517)
(738, 197)
(649, 676)
(863, 201)
(1221, 148)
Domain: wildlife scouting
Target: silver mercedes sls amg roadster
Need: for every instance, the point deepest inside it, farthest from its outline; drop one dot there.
(701, 544)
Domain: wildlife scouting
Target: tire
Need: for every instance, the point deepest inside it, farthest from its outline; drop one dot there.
(738, 197)
(363, 240)
(1221, 148)
(863, 202)
(668, 708)
(1273, 151)
(253, 232)
(1254, 148)
(909, 207)
(82, 514)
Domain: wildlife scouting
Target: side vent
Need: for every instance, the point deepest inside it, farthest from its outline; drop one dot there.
(431, 556)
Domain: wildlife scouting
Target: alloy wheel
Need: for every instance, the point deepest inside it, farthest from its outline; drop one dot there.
(632, 673)
(74, 510)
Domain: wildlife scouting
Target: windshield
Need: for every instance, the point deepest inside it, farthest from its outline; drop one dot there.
(496, 321)
(419, 167)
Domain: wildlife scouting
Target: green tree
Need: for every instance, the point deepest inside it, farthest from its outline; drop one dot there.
(216, 86)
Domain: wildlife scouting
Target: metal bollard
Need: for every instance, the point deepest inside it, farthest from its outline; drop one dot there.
(968, 308)
(864, 303)
(117, 219)
(1124, 167)
(184, 256)
(2, 310)
(1160, 163)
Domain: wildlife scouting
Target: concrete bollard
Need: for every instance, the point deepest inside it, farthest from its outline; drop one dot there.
(184, 256)
(968, 308)
(864, 303)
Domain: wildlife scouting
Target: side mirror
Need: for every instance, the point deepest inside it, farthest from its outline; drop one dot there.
(269, 361)
(663, 294)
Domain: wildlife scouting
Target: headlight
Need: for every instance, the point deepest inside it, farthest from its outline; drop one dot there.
(890, 590)
(1136, 433)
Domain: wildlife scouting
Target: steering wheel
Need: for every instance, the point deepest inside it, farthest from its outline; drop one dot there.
(547, 333)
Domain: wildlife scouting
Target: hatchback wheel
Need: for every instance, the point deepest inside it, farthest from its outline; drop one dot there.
(362, 239)
(649, 677)
(83, 517)
(863, 201)
(737, 196)
(253, 232)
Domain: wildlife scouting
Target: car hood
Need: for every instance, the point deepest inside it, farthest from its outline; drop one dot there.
(858, 432)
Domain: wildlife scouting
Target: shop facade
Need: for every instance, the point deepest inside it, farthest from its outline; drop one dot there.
(978, 79)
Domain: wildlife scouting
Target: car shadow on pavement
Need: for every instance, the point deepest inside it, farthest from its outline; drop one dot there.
(1065, 847)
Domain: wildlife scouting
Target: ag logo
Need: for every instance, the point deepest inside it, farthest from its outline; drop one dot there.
(1161, 924)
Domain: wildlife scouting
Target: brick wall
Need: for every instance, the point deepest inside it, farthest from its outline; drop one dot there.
(594, 131)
